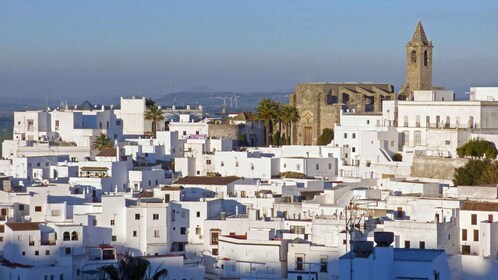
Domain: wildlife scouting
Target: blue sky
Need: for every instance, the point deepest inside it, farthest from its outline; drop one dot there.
(95, 47)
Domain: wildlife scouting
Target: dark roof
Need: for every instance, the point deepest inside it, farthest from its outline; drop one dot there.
(206, 180)
(480, 206)
(23, 226)
(107, 152)
(86, 106)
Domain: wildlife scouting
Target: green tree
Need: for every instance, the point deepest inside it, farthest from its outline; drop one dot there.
(477, 148)
(289, 115)
(267, 111)
(101, 142)
(149, 102)
(154, 114)
(326, 137)
(470, 174)
(490, 175)
(133, 268)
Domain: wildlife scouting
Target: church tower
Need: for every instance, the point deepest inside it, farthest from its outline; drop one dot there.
(418, 64)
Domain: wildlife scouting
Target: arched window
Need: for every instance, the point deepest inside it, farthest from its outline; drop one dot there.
(414, 56)
(74, 236)
(426, 58)
(66, 236)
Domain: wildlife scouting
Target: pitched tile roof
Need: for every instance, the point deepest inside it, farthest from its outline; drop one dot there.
(206, 180)
(23, 226)
(107, 152)
(480, 206)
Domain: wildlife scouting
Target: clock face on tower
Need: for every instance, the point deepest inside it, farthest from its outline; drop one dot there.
(307, 97)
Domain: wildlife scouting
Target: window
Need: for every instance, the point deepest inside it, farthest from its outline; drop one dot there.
(473, 219)
(298, 167)
(57, 125)
(118, 123)
(68, 250)
(214, 252)
(476, 235)
(323, 263)
(464, 235)
(421, 244)
(184, 132)
(23, 253)
(198, 230)
(465, 249)
(405, 121)
(183, 230)
(2, 228)
(406, 138)
(317, 166)
(66, 236)
(297, 229)
(114, 238)
(155, 216)
(166, 198)
(37, 253)
(156, 234)
(38, 208)
(353, 149)
(236, 164)
(368, 121)
(208, 161)
(137, 216)
(417, 138)
(300, 263)
(426, 58)
(112, 222)
(345, 135)
(330, 165)
(413, 56)
(447, 142)
(214, 238)
(490, 218)
(407, 244)
(134, 233)
(354, 135)
(222, 164)
(198, 214)
(417, 121)
(94, 222)
(47, 252)
(74, 236)
(427, 121)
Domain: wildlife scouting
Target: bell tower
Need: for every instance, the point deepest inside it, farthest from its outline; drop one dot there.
(418, 64)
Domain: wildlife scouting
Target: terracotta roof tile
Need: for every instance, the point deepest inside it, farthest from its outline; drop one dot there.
(480, 206)
(206, 180)
(23, 226)
(107, 152)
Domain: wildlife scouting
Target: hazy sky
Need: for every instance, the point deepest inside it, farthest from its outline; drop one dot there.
(90, 47)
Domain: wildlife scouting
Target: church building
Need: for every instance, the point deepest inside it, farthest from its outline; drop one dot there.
(319, 104)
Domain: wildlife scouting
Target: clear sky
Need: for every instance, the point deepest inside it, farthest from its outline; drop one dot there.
(96, 47)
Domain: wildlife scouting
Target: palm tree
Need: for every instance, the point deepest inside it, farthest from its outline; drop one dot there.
(102, 142)
(267, 112)
(133, 268)
(155, 114)
(289, 115)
